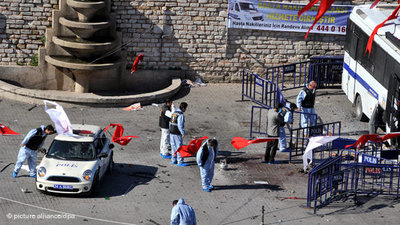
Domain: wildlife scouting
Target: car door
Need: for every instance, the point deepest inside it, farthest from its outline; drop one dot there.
(100, 147)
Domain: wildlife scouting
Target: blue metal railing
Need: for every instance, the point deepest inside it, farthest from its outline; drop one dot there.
(289, 76)
(258, 89)
(258, 121)
(299, 136)
(325, 70)
(349, 174)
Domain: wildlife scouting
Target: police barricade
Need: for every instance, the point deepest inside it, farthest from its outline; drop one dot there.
(289, 76)
(324, 182)
(258, 89)
(258, 122)
(331, 149)
(350, 174)
(325, 70)
(299, 136)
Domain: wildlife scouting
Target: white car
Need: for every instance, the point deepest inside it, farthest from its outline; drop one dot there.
(244, 10)
(76, 164)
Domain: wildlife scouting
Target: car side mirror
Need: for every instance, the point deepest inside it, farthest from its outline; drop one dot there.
(111, 146)
(102, 155)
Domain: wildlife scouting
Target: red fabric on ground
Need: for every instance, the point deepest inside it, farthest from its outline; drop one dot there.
(239, 142)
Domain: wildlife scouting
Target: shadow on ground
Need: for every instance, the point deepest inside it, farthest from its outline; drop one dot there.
(248, 187)
(123, 179)
(363, 204)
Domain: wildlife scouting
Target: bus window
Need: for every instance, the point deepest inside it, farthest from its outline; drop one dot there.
(379, 59)
(351, 39)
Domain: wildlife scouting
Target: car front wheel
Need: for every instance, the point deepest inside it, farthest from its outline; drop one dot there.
(110, 165)
(94, 190)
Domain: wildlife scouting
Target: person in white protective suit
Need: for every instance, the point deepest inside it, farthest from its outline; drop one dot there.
(182, 214)
(205, 159)
(287, 113)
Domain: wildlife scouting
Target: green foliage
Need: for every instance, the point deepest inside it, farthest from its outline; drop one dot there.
(43, 40)
(20, 63)
(35, 60)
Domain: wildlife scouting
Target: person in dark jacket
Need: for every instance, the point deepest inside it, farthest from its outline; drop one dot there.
(275, 121)
(165, 116)
(32, 142)
(305, 104)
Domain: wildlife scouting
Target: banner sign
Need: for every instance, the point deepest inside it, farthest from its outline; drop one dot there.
(277, 16)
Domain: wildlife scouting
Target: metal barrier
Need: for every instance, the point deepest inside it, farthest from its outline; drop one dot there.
(289, 76)
(299, 136)
(325, 70)
(324, 182)
(328, 150)
(351, 173)
(258, 121)
(258, 89)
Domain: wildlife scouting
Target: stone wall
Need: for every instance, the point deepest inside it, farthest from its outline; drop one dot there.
(188, 35)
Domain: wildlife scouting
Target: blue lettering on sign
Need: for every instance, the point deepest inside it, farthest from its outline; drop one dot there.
(387, 169)
(72, 165)
(369, 159)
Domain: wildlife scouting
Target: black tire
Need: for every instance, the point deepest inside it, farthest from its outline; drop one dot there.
(359, 113)
(94, 190)
(110, 165)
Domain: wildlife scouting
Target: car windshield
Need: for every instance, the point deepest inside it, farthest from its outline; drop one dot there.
(247, 6)
(71, 150)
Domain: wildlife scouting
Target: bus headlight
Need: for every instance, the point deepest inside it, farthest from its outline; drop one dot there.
(87, 175)
(42, 171)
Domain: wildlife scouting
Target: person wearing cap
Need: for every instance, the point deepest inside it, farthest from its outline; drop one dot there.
(177, 132)
(182, 214)
(205, 159)
(287, 113)
(165, 116)
(305, 104)
(33, 141)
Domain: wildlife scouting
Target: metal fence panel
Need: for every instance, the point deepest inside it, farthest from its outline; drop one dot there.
(299, 136)
(351, 173)
(258, 89)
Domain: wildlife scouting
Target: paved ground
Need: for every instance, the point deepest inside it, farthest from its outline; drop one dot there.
(216, 111)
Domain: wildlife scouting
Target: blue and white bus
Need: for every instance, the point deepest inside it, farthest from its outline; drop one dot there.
(372, 81)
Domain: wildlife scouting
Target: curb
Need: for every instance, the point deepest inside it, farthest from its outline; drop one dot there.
(90, 99)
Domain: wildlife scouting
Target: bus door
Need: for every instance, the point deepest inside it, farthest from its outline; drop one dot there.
(392, 112)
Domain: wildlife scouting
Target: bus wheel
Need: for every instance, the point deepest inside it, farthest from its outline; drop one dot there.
(359, 113)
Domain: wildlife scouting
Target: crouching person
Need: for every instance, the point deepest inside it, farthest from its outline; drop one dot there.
(182, 214)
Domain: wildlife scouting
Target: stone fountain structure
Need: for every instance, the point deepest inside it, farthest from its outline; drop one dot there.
(82, 63)
(82, 51)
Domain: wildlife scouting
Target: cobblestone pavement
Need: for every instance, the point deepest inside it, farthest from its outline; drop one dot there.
(216, 111)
